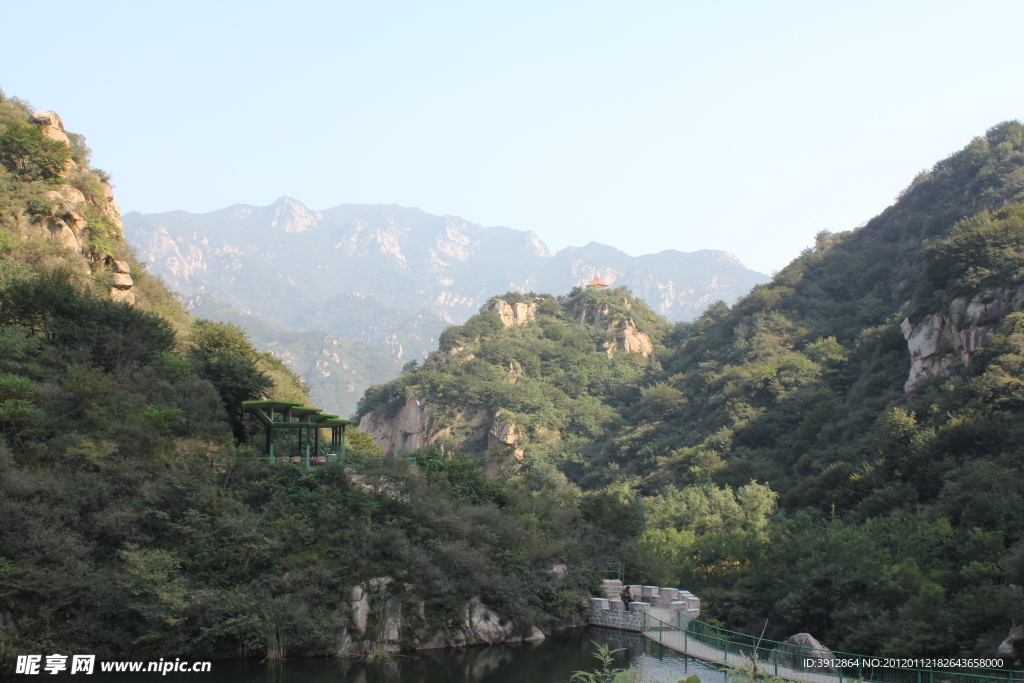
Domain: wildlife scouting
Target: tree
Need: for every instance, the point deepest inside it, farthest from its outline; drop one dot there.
(223, 355)
(26, 152)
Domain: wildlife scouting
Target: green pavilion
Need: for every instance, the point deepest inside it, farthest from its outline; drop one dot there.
(275, 415)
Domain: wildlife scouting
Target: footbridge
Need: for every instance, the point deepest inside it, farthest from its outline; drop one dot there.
(670, 617)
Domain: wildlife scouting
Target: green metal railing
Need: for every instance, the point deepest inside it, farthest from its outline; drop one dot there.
(774, 658)
(613, 570)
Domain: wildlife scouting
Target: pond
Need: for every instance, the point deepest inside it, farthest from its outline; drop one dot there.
(550, 661)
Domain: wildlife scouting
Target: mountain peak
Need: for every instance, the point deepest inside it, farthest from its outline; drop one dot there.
(293, 216)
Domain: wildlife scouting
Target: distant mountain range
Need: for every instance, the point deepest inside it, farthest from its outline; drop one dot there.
(391, 277)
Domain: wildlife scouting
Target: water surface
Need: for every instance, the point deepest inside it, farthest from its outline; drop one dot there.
(550, 661)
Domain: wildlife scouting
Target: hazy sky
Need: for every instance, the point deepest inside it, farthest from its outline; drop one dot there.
(743, 126)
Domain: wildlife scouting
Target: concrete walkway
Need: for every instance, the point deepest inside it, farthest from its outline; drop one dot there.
(680, 642)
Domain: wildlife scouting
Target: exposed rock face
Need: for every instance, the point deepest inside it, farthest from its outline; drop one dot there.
(381, 613)
(51, 126)
(942, 340)
(629, 339)
(409, 430)
(503, 436)
(360, 605)
(513, 315)
(415, 426)
(61, 216)
(110, 208)
(625, 335)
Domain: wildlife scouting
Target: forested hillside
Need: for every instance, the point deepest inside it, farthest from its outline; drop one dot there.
(840, 452)
(138, 520)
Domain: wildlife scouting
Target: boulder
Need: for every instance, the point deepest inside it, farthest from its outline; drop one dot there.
(122, 296)
(61, 234)
(72, 195)
(122, 281)
(485, 626)
(50, 125)
(436, 642)
(122, 267)
(535, 635)
(803, 645)
(47, 118)
(1013, 646)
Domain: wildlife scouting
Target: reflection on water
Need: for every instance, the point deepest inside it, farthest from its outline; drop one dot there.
(550, 661)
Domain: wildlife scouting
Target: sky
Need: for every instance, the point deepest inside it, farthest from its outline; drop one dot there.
(741, 126)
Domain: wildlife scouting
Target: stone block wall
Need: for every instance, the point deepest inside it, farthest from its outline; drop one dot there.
(609, 611)
(610, 614)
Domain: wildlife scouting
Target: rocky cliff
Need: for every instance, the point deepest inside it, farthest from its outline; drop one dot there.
(944, 340)
(76, 212)
(382, 614)
(621, 328)
(418, 425)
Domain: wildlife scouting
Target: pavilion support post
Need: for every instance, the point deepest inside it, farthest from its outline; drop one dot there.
(300, 441)
(343, 441)
(316, 441)
(270, 442)
(309, 438)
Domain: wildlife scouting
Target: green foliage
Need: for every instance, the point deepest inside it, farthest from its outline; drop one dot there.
(38, 205)
(361, 442)
(80, 151)
(464, 477)
(99, 331)
(8, 241)
(224, 356)
(608, 673)
(88, 184)
(982, 251)
(25, 152)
